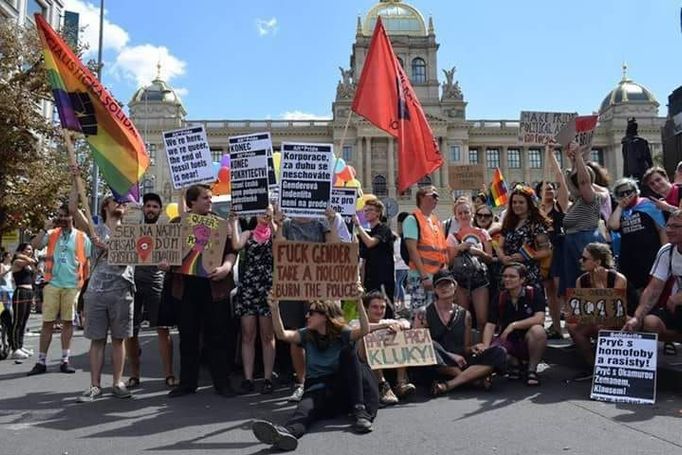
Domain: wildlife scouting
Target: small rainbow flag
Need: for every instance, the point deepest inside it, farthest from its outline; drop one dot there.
(498, 190)
(86, 106)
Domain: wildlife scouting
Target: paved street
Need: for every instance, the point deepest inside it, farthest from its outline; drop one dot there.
(39, 415)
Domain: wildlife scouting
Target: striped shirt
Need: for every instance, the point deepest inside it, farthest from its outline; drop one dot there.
(583, 216)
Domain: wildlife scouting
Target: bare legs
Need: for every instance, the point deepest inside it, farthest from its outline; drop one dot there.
(267, 339)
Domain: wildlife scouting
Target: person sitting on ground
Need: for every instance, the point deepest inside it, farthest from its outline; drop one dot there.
(519, 314)
(665, 321)
(336, 380)
(597, 263)
(375, 304)
(450, 327)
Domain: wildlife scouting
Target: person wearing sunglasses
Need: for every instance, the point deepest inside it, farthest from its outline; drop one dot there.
(642, 229)
(336, 380)
(597, 262)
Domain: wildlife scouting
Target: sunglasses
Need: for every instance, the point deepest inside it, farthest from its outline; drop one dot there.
(485, 216)
(585, 258)
(624, 193)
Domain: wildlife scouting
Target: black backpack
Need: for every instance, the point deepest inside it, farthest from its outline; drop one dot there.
(404, 254)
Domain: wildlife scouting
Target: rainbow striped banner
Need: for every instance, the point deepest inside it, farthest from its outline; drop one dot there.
(498, 190)
(86, 106)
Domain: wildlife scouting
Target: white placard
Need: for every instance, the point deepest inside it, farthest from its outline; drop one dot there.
(189, 157)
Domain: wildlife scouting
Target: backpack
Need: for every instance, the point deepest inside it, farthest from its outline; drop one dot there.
(668, 288)
(404, 253)
(466, 266)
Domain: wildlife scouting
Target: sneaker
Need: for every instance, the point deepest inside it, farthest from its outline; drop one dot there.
(91, 394)
(297, 395)
(361, 419)
(19, 355)
(388, 398)
(121, 391)
(28, 351)
(38, 368)
(64, 367)
(274, 435)
(404, 389)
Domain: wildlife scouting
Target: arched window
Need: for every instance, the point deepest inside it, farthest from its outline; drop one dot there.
(379, 186)
(425, 181)
(418, 71)
(147, 185)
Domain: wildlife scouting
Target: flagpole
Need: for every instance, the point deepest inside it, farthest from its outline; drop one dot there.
(95, 168)
(78, 181)
(343, 139)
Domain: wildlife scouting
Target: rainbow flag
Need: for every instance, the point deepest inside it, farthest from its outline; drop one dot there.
(86, 106)
(498, 190)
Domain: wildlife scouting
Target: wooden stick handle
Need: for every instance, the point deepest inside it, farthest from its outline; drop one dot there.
(79, 182)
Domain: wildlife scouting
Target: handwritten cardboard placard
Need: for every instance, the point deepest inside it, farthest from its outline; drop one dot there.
(466, 176)
(405, 348)
(606, 307)
(581, 130)
(538, 127)
(625, 367)
(315, 271)
(145, 244)
(189, 157)
(203, 243)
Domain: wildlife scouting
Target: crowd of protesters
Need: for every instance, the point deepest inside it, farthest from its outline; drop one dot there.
(489, 287)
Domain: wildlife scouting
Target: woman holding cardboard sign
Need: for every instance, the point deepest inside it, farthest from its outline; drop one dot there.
(335, 378)
(597, 262)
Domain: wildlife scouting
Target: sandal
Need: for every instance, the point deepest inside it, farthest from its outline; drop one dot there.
(514, 373)
(532, 379)
(133, 382)
(669, 349)
(171, 382)
(438, 388)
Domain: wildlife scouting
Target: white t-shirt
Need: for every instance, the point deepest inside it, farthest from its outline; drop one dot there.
(397, 258)
(663, 268)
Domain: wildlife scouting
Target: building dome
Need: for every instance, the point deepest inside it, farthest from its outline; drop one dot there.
(398, 18)
(627, 91)
(158, 91)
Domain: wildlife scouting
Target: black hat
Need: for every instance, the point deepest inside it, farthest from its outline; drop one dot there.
(443, 275)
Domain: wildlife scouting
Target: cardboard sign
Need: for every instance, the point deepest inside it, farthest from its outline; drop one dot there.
(189, 157)
(625, 367)
(145, 244)
(249, 173)
(343, 201)
(606, 307)
(579, 129)
(538, 127)
(406, 348)
(306, 179)
(203, 243)
(466, 177)
(315, 271)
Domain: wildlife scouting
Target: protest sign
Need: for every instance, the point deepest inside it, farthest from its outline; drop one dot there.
(405, 348)
(315, 271)
(539, 127)
(606, 307)
(305, 179)
(203, 243)
(579, 129)
(189, 157)
(145, 244)
(343, 202)
(466, 176)
(249, 173)
(625, 367)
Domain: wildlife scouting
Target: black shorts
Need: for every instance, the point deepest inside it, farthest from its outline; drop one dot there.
(293, 313)
(147, 304)
(672, 321)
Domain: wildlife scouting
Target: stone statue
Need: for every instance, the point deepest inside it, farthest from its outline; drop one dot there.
(451, 86)
(346, 76)
(636, 153)
(346, 88)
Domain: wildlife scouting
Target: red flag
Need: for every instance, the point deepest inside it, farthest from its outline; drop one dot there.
(385, 97)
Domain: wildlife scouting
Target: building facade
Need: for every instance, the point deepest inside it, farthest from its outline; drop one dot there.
(22, 11)
(493, 143)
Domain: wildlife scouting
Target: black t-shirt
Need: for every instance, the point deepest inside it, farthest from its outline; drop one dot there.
(503, 312)
(379, 265)
(640, 243)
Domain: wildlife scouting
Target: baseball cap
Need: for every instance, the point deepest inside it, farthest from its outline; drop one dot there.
(443, 275)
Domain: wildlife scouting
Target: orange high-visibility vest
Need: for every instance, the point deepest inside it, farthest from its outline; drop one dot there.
(81, 258)
(431, 245)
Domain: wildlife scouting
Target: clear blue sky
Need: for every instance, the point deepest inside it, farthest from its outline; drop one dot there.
(510, 55)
